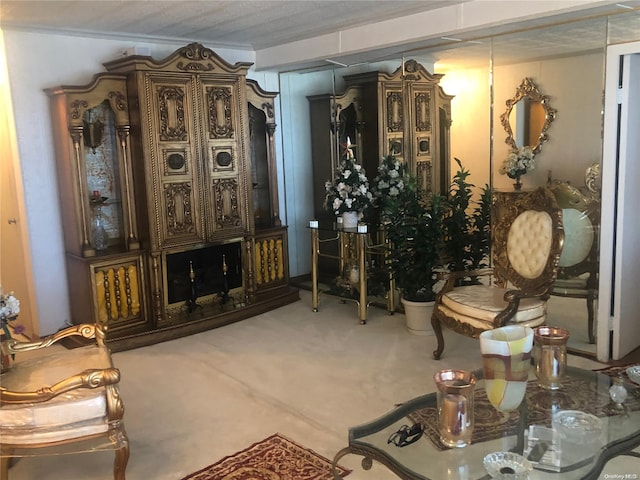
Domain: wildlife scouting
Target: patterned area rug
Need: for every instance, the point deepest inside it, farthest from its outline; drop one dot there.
(274, 458)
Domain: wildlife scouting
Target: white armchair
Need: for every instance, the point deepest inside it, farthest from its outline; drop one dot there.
(62, 402)
(526, 242)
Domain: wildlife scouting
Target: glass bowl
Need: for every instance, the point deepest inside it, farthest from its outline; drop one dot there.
(577, 427)
(634, 374)
(507, 466)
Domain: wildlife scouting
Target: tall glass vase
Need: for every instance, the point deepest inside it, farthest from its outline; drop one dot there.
(100, 236)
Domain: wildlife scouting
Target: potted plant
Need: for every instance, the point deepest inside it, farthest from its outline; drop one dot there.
(466, 228)
(429, 237)
(414, 230)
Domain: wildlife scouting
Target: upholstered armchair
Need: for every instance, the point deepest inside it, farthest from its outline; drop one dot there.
(55, 400)
(578, 272)
(526, 243)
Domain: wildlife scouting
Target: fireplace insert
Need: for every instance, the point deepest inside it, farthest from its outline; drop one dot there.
(203, 273)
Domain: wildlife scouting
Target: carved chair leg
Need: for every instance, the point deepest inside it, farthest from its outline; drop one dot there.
(120, 464)
(437, 328)
(590, 318)
(4, 467)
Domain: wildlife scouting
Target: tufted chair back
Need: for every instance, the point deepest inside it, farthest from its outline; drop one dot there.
(579, 262)
(527, 239)
(527, 233)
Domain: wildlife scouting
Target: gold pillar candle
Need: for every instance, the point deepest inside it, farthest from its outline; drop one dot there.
(455, 406)
(550, 355)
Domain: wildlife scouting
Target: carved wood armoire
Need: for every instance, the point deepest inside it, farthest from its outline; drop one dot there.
(169, 196)
(405, 113)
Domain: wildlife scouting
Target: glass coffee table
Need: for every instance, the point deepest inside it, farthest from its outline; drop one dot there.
(528, 431)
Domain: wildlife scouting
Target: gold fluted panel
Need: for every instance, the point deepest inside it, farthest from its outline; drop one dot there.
(117, 293)
(269, 265)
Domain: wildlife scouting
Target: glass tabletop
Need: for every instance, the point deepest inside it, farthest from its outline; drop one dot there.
(583, 457)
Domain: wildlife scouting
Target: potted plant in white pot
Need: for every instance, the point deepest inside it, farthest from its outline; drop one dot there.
(414, 229)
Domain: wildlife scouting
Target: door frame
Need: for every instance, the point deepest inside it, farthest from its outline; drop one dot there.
(610, 324)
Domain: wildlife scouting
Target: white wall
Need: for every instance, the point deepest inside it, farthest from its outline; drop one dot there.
(39, 61)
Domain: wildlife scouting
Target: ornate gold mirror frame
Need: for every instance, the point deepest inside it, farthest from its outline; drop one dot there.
(537, 118)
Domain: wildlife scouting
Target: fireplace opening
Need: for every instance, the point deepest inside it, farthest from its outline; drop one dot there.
(193, 274)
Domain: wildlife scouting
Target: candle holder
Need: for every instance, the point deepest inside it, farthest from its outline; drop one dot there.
(455, 406)
(550, 355)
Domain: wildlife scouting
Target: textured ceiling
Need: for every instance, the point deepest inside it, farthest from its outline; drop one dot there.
(231, 23)
(265, 23)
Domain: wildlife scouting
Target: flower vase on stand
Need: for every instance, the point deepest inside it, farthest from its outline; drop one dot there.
(350, 220)
(518, 185)
(5, 358)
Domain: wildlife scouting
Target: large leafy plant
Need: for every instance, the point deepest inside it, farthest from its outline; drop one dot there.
(428, 236)
(466, 225)
(414, 229)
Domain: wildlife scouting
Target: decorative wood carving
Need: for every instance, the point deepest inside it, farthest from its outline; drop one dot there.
(171, 106)
(226, 198)
(178, 208)
(118, 100)
(423, 176)
(220, 119)
(395, 114)
(200, 58)
(423, 111)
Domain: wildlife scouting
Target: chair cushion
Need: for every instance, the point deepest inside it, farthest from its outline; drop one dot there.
(529, 243)
(70, 415)
(485, 302)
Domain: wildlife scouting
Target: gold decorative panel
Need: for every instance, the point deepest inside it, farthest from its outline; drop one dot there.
(423, 175)
(117, 293)
(176, 162)
(171, 109)
(395, 115)
(423, 146)
(220, 118)
(178, 208)
(269, 266)
(423, 111)
(226, 197)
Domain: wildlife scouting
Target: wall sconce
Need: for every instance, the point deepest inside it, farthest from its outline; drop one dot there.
(92, 131)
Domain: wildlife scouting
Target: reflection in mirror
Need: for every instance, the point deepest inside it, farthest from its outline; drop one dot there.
(528, 117)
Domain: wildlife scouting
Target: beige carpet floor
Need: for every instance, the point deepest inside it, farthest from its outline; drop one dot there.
(310, 376)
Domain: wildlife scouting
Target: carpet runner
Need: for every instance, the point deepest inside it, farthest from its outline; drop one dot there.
(274, 458)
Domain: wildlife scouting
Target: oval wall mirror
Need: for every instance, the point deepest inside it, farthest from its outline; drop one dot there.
(528, 117)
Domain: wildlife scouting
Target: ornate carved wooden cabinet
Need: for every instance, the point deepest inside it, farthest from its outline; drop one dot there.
(195, 189)
(105, 266)
(405, 113)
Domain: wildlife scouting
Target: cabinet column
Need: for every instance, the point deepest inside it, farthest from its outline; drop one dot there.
(123, 135)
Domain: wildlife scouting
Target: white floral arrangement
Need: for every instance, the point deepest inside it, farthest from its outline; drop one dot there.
(9, 309)
(390, 181)
(518, 162)
(349, 190)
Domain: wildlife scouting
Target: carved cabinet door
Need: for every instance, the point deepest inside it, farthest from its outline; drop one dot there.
(174, 165)
(222, 156)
